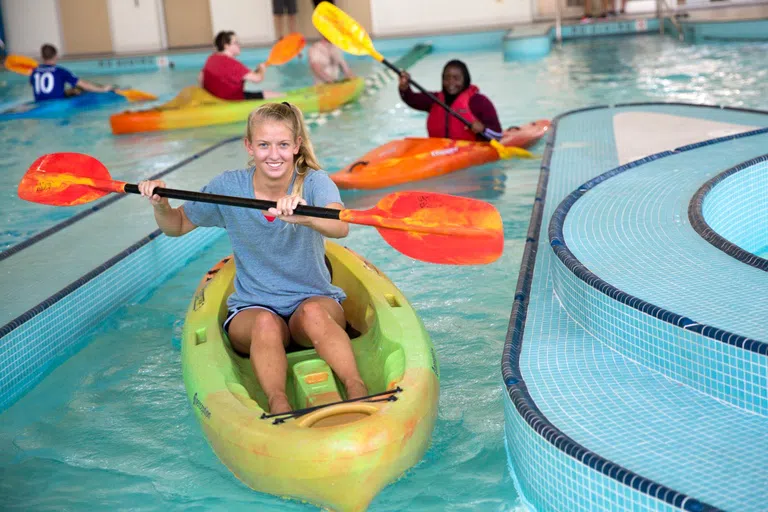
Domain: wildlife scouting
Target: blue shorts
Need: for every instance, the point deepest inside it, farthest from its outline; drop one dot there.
(232, 312)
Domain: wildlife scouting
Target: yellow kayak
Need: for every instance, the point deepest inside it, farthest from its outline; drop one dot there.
(330, 452)
(194, 106)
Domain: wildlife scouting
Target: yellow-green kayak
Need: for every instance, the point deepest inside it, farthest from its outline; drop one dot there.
(331, 452)
(195, 107)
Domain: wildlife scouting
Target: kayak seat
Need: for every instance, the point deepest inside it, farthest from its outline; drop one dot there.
(314, 384)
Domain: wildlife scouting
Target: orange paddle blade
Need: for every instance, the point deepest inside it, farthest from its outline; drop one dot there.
(136, 95)
(20, 64)
(66, 179)
(286, 49)
(439, 228)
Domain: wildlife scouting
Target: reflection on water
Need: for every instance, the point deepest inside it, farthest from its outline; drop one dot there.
(485, 182)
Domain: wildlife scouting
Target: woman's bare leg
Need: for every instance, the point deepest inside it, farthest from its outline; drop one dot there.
(263, 335)
(319, 322)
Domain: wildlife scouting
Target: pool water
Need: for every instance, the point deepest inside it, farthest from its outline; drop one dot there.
(112, 427)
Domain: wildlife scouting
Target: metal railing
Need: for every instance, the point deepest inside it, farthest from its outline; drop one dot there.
(664, 11)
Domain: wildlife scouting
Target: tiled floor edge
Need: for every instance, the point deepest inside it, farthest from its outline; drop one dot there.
(517, 395)
(702, 227)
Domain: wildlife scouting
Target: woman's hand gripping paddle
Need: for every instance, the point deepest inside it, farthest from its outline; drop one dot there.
(437, 228)
(346, 33)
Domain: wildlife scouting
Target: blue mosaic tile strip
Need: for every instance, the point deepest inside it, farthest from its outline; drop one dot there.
(734, 217)
(567, 493)
(609, 28)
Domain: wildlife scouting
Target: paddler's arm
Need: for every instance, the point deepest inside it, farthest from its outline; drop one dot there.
(171, 221)
(329, 227)
(256, 76)
(88, 86)
(343, 63)
(415, 100)
(485, 112)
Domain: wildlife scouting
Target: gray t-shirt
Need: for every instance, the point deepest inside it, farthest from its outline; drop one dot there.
(277, 264)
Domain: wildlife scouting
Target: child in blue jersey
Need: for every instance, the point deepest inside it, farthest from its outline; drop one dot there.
(49, 81)
(283, 289)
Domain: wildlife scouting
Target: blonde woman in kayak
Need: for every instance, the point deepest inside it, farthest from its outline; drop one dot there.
(283, 288)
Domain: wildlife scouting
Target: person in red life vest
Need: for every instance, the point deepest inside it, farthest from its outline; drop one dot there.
(223, 75)
(463, 97)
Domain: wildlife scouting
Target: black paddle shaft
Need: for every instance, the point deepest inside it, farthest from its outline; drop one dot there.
(243, 202)
(433, 97)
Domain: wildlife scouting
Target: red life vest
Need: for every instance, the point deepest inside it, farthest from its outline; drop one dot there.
(441, 124)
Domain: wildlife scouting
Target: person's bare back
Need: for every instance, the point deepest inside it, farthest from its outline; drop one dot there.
(327, 62)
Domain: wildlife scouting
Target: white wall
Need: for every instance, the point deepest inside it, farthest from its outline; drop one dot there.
(250, 19)
(393, 17)
(135, 28)
(29, 24)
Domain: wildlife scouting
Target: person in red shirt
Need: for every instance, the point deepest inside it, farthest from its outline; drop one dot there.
(223, 75)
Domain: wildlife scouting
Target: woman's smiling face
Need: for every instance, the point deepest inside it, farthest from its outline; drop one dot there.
(273, 148)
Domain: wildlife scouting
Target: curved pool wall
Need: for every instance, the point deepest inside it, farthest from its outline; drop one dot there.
(731, 211)
(686, 350)
(553, 470)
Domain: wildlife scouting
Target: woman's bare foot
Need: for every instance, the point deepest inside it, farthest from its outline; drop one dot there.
(279, 404)
(355, 389)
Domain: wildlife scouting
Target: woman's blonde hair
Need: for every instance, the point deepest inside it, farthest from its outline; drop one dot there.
(305, 160)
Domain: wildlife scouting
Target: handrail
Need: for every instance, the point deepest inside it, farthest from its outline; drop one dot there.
(661, 8)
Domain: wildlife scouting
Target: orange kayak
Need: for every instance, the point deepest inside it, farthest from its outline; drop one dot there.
(412, 159)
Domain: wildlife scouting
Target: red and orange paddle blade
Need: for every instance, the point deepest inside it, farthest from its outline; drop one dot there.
(20, 64)
(286, 49)
(66, 179)
(438, 228)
